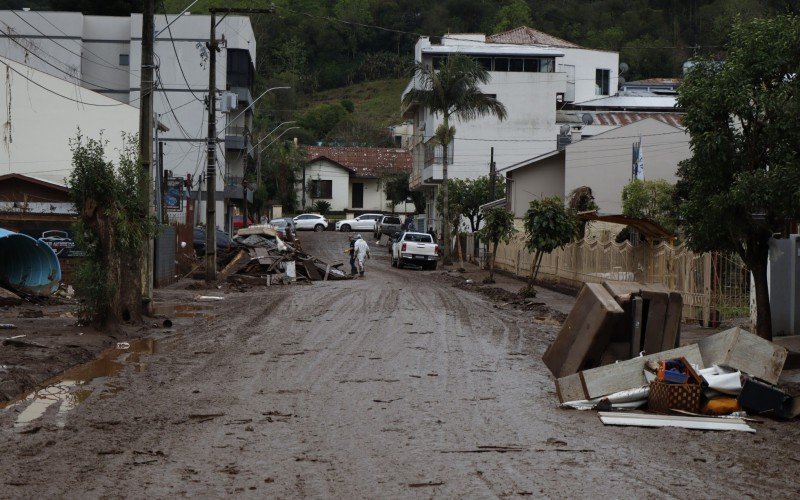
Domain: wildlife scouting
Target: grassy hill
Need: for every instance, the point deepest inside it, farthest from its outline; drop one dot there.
(378, 101)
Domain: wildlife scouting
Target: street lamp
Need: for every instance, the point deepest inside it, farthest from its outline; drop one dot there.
(271, 132)
(279, 136)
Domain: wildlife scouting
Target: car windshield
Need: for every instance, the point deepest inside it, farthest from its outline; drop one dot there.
(419, 238)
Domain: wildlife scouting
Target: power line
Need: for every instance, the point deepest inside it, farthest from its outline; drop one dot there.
(178, 59)
(48, 37)
(13, 39)
(62, 95)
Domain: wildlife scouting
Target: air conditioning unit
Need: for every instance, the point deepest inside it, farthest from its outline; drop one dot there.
(229, 102)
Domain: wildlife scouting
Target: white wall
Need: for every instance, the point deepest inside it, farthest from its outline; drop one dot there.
(539, 180)
(324, 170)
(586, 62)
(603, 162)
(42, 123)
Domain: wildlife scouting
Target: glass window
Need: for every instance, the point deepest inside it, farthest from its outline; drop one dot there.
(501, 64)
(531, 65)
(547, 65)
(516, 64)
(124, 60)
(486, 62)
(321, 189)
(602, 81)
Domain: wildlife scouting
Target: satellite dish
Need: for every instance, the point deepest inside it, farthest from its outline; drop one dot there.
(623, 67)
(564, 129)
(587, 119)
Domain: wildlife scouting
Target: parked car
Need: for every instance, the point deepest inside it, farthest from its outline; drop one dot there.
(312, 222)
(364, 222)
(416, 249)
(224, 242)
(286, 228)
(239, 222)
(388, 225)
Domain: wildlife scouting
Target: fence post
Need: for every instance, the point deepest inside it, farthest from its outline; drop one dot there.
(706, 289)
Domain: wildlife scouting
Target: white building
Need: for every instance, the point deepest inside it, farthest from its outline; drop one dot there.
(103, 53)
(42, 113)
(532, 74)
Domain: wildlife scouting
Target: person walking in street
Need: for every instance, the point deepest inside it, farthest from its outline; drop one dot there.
(362, 253)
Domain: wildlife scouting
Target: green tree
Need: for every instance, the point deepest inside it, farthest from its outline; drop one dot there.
(548, 225)
(396, 189)
(453, 90)
(741, 183)
(498, 226)
(321, 119)
(512, 15)
(652, 200)
(112, 228)
(281, 171)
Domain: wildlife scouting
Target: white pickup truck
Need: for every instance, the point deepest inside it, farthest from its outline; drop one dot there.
(416, 249)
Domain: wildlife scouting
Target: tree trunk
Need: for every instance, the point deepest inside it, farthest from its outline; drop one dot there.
(123, 279)
(491, 260)
(445, 198)
(759, 256)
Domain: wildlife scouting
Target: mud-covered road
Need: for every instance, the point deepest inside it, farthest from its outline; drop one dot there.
(395, 385)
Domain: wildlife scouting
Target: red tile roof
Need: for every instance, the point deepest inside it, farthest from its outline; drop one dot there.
(364, 162)
(529, 36)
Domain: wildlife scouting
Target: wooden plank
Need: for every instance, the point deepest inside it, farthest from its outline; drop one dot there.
(585, 332)
(672, 326)
(699, 423)
(327, 272)
(655, 321)
(570, 388)
(744, 351)
(239, 261)
(622, 290)
(637, 305)
(625, 375)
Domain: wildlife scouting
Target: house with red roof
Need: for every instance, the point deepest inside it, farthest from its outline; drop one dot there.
(351, 179)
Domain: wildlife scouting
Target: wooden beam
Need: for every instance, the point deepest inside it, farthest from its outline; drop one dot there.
(672, 326)
(655, 322)
(744, 351)
(629, 374)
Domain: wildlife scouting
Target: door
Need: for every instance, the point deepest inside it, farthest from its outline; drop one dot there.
(358, 195)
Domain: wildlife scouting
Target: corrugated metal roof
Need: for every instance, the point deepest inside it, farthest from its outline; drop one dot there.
(621, 118)
(364, 162)
(529, 36)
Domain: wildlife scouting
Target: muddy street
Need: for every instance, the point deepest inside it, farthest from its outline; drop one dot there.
(395, 385)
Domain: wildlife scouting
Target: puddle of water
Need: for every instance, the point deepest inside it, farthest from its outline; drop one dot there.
(64, 393)
(182, 310)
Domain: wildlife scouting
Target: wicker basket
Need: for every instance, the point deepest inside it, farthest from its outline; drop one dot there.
(665, 397)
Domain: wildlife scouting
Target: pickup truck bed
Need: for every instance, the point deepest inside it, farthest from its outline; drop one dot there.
(415, 249)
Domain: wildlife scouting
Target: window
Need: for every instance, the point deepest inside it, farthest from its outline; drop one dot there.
(501, 64)
(321, 189)
(486, 62)
(438, 61)
(602, 81)
(124, 60)
(547, 65)
(531, 65)
(516, 64)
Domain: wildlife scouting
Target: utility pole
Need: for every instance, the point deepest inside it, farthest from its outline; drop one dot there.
(146, 140)
(211, 145)
(211, 169)
(492, 175)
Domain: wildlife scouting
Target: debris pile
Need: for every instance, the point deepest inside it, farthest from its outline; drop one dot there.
(619, 349)
(265, 259)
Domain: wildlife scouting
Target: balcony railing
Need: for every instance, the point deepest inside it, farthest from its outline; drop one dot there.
(434, 154)
(237, 137)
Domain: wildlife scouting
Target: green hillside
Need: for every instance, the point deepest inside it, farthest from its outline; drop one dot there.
(377, 102)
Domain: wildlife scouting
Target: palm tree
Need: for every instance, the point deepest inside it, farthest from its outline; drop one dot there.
(452, 90)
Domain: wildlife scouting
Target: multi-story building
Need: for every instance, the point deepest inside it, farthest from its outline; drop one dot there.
(532, 75)
(103, 54)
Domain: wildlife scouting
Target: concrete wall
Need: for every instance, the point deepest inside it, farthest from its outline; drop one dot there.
(536, 181)
(42, 123)
(586, 62)
(603, 162)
